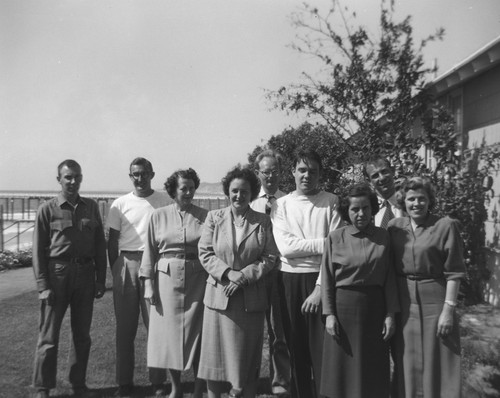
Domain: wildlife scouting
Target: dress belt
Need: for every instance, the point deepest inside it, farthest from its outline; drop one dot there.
(131, 251)
(183, 256)
(416, 277)
(74, 260)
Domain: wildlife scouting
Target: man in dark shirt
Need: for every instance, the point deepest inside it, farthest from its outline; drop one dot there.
(69, 261)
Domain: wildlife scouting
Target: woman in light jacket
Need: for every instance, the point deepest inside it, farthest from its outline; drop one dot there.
(237, 249)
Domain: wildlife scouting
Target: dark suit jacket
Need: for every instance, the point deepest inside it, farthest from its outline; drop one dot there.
(255, 256)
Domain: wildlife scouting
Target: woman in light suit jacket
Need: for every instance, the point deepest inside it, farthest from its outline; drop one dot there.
(237, 249)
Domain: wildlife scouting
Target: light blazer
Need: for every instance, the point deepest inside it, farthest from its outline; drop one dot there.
(255, 256)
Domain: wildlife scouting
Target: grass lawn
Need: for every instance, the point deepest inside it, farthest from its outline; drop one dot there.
(18, 333)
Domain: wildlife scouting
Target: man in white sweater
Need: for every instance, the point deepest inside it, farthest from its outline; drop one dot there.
(301, 222)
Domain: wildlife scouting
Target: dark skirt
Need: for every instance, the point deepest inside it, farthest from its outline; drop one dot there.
(425, 365)
(231, 344)
(357, 365)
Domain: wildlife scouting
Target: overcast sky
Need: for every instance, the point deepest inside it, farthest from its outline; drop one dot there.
(178, 82)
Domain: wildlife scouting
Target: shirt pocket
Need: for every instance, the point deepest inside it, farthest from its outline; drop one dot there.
(88, 225)
(163, 266)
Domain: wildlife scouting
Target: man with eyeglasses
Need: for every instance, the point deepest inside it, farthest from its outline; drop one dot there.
(268, 167)
(128, 221)
(69, 262)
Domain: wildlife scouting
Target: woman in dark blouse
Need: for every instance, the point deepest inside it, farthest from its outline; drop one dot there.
(359, 298)
(428, 260)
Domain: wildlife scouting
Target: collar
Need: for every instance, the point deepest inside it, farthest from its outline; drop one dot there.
(369, 230)
(61, 200)
(263, 193)
(391, 200)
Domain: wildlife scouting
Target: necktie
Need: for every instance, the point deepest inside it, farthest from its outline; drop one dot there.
(269, 204)
(388, 215)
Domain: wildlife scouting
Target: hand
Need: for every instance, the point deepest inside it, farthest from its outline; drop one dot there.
(389, 327)
(47, 296)
(311, 303)
(149, 292)
(100, 288)
(236, 277)
(445, 322)
(230, 289)
(332, 326)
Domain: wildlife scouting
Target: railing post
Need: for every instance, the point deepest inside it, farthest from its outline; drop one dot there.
(1, 228)
(18, 235)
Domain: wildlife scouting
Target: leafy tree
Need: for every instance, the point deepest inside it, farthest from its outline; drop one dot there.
(370, 94)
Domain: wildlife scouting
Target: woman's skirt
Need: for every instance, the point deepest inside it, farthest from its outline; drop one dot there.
(175, 322)
(231, 348)
(425, 365)
(357, 365)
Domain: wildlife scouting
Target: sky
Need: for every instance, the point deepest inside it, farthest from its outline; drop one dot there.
(181, 83)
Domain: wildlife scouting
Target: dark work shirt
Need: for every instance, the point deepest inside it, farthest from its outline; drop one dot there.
(66, 232)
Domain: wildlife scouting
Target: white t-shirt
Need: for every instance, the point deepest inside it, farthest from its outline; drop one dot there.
(129, 214)
(300, 225)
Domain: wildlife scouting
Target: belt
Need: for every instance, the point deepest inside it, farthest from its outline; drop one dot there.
(184, 256)
(414, 277)
(131, 251)
(74, 260)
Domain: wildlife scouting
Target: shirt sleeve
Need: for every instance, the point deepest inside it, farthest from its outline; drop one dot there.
(113, 219)
(328, 279)
(289, 244)
(100, 248)
(454, 266)
(151, 253)
(41, 241)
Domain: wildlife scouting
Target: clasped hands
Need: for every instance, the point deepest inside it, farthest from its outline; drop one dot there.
(233, 281)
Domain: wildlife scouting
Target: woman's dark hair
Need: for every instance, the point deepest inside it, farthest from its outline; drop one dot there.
(412, 184)
(356, 191)
(244, 173)
(173, 181)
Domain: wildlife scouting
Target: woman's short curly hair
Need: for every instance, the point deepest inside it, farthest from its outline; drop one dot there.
(413, 184)
(356, 191)
(243, 173)
(173, 181)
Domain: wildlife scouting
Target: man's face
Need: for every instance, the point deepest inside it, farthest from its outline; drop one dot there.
(306, 173)
(141, 178)
(268, 174)
(70, 179)
(381, 178)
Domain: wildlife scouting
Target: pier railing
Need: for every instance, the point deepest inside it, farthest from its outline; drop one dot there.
(18, 213)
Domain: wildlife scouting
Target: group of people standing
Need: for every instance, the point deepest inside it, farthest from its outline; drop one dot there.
(374, 269)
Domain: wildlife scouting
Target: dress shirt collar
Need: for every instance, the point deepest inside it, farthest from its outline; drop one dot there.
(263, 193)
(391, 200)
(61, 200)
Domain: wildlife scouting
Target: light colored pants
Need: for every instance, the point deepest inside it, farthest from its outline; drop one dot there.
(128, 297)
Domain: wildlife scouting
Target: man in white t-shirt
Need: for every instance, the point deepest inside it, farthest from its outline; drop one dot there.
(380, 173)
(301, 222)
(268, 168)
(128, 221)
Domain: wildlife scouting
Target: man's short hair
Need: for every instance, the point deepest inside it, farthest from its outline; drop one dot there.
(142, 162)
(70, 164)
(307, 155)
(268, 153)
(376, 160)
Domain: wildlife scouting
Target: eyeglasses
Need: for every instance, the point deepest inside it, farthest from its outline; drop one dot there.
(271, 173)
(139, 174)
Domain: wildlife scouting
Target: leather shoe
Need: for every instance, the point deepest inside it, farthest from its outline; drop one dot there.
(42, 394)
